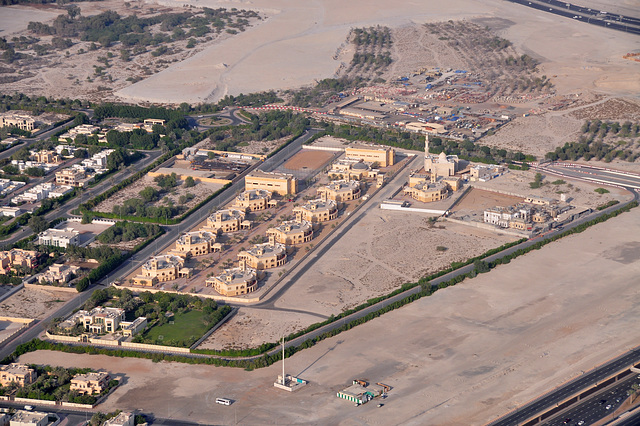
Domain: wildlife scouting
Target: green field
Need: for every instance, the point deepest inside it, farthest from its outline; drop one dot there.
(187, 327)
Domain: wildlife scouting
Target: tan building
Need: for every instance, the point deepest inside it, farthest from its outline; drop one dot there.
(316, 211)
(352, 169)
(16, 373)
(254, 199)
(427, 192)
(235, 281)
(90, 383)
(384, 156)
(264, 256)
(165, 267)
(17, 258)
(71, 177)
(276, 183)
(22, 122)
(292, 232)
(58, 273)
(196, 243)
(46, 156)
(228, 220)
(341, 191)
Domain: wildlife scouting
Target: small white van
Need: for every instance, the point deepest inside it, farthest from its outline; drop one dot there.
(223, 401)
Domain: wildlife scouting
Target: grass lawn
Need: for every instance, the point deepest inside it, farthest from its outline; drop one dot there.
(183, 328)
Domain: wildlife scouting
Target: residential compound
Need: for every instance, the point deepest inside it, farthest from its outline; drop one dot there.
(16, 373)
(165, 267)
(523, 216)
(8, 186)
(22, 122)
(17, 258)
(196, 243)
(316, 211)
(58, 273)
(100, 319)
(59, 237)
(254, 199)
(235, 281)
(264, 256)
(341, 191)
(292, 232)
(383, 156)
(275, 183)
(90, 383)
(227, 220)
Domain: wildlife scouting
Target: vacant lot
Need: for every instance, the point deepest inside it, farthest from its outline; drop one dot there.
(463, 356)
(478, 199)
(35, 303)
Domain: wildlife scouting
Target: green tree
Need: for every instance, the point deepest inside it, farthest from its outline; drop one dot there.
(189, 182)
(38, 224)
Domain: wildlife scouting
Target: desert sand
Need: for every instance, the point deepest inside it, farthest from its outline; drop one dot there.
(296, 45)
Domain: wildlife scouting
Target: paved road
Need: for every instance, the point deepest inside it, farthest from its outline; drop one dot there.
(592, 174)
(229, 113)
(613, 21)
(597, 406)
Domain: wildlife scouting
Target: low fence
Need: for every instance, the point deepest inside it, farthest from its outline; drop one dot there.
(206, 296)
(116, 344)
(323, 148)
(490, 227)
(386, 206)
(50, 287)
(26, 323)
(47, 402)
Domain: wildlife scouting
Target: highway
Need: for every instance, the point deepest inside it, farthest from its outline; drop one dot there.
(592, 174)
(571, 388)
(597, 406)
(613, 21)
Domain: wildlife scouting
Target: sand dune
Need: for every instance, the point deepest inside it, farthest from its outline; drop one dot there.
(295, 45)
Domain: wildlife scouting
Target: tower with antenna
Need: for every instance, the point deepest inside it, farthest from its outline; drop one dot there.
(288, 382)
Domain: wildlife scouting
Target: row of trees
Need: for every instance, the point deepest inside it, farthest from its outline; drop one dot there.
(603, 128)
(589, 149)
(372, 37)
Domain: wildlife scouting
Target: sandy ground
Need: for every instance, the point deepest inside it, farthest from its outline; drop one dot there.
(462, 356)
(308, 159)
(34, 303)
(365, 263)
(298, 42)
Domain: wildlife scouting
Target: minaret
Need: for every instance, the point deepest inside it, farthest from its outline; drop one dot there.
(427, 162)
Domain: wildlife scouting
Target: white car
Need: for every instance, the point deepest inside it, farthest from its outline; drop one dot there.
(608, 407)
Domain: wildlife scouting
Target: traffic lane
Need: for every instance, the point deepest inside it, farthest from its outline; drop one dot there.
(557, 396)
(596, 174)
(594, 408)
